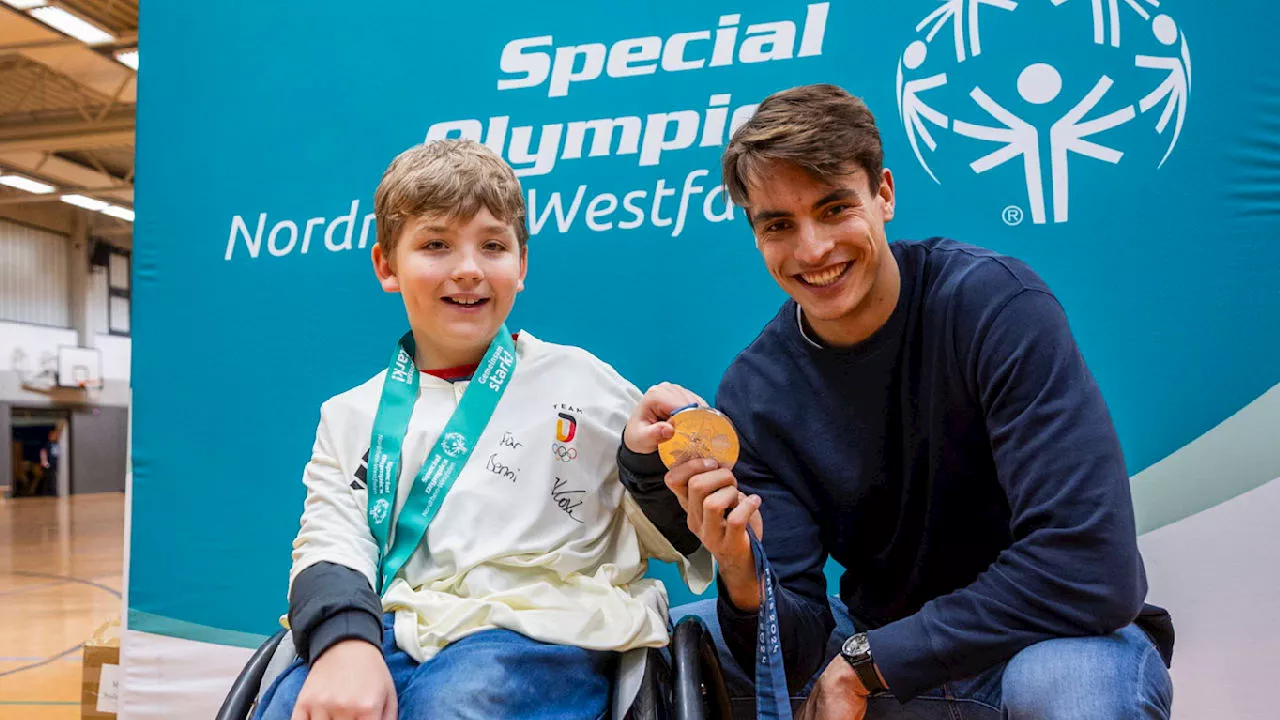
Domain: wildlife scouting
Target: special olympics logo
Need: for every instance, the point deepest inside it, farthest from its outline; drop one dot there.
(380, 510)
(992, 117)
(564, 453)
(454, 444)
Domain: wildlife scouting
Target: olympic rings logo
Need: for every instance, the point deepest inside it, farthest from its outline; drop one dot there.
(564, 453)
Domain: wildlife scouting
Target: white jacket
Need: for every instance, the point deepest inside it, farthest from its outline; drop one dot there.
(537, 535)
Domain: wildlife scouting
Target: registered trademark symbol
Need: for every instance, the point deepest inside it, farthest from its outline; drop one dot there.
(1012, 216)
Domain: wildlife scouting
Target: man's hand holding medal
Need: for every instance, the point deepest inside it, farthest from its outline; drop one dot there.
(699, 447)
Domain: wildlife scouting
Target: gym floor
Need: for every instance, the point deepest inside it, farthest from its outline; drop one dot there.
(60, 579)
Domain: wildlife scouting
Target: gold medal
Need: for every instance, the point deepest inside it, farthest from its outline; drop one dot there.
(701, 432)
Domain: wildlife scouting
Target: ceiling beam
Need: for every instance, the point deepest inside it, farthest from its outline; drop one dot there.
(92, 68)
(18, 197)
(115, 129)
(64, 173)
(88, 138)
(121, 42)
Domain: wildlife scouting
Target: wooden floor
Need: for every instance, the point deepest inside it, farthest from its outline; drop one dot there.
(60, 578)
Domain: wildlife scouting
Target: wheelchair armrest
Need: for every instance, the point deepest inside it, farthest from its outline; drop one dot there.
(699, 692)
(245, 689)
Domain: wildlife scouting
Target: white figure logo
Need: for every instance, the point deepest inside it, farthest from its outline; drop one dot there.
(454, 444)
(1112, 21)
(912, 108)
(1177, 82)
(953, 11)
(1076, 132)
(1040, 84)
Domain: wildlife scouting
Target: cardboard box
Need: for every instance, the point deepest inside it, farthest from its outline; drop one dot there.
(100, 676)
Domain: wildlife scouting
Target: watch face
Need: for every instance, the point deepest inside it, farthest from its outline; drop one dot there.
(856, 646)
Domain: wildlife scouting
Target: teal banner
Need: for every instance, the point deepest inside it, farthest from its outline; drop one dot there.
(1126, 149)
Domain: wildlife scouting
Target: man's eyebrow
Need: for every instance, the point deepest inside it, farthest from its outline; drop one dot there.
(834, 195)
(765, 215)
(837, 194)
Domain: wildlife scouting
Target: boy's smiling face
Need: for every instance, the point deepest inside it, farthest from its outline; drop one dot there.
(459, 278)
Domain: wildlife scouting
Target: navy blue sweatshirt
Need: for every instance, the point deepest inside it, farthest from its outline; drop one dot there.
(960, 465)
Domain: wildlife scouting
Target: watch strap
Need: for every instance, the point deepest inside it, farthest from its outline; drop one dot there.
(864, 665)
(866, 670)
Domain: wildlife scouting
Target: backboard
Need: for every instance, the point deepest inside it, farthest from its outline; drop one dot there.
(79, 367)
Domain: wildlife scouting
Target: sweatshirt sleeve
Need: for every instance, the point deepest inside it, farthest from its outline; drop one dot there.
(651, 508)
(334, 525)
(1074, 567)
(644, 478)
(328, 604)
(331, 596)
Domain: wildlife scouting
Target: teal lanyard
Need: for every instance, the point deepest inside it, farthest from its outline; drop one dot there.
(447, 458)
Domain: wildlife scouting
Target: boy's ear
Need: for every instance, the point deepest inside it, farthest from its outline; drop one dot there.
(382, 268)
(524, 267)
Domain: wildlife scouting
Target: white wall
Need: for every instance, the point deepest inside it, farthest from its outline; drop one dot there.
(33, 276)
(49, 297)
(26, 350)
(30, 348)
(116, 353)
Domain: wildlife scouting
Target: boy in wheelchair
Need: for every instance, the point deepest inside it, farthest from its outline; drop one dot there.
(466, 549)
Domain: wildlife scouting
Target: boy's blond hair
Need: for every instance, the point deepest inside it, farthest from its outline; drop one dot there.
(452, 178)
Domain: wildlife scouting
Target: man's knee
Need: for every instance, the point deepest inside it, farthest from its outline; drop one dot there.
(1115, 676)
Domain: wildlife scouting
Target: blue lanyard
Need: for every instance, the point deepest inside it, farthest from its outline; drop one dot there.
(773, 701)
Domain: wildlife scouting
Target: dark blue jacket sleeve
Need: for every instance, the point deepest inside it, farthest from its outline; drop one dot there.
(644, 477)
(793, 544)
(1074, 567)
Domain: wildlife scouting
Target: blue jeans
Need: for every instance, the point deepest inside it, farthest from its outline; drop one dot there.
(491, 675)
(1112, 677)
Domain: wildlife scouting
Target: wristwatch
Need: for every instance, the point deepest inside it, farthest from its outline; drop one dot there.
(857, 651)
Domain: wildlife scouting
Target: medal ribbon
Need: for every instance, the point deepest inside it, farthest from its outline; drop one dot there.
(773, 701)
(447, 458)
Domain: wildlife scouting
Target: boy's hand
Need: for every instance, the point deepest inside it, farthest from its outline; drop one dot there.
(350, 681)
(648, 425)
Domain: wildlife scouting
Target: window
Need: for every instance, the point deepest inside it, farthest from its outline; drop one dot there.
(119, 292)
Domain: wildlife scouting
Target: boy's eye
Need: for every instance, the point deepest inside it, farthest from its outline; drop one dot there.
(837, 209)
(778, 226)
(433, 245)
(495, 246)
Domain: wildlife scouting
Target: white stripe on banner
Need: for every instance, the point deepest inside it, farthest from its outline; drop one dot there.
(1236, 456)
(1218, 573)
(167, 678)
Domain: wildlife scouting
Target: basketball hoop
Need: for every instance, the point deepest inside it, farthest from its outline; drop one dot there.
(79, 368)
